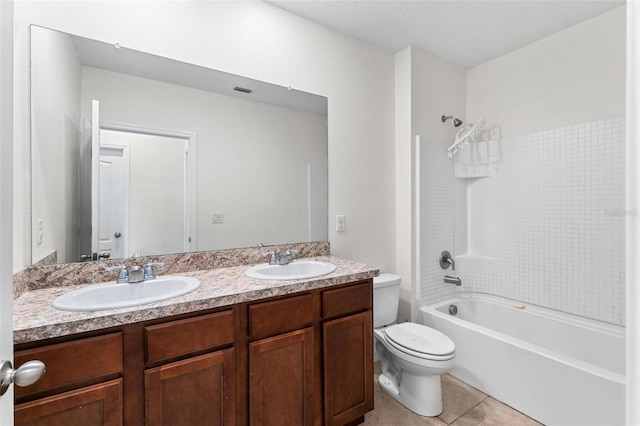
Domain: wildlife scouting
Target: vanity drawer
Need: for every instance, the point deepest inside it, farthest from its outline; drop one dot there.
(280, 316)
(73, 363)
(345, 300)
(183, 337)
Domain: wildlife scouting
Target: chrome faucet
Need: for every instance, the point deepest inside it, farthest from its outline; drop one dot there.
(283, 258)
(452, 280)
(136, 275)
(445, 260)
(286, 257)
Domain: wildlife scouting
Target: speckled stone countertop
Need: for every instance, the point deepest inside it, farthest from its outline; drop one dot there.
(35, 319)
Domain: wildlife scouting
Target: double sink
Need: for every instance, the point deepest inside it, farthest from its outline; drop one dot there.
(124, 295)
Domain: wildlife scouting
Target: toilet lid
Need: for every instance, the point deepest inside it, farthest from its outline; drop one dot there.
(420, 338)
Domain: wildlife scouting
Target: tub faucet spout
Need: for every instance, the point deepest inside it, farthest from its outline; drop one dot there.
(452, 280)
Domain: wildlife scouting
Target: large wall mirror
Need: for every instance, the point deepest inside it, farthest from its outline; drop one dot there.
(136, 154)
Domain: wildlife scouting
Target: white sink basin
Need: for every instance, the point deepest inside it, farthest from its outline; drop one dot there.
(112, 296)
(296, 270)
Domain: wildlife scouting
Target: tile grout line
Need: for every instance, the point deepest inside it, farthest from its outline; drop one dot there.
(463, 414)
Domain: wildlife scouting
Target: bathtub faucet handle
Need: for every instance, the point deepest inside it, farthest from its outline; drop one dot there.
(446, 260)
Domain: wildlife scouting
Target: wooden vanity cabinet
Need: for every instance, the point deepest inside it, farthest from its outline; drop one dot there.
(348, 368)
(303, 359)
(198, 389)
(177, 371)
(316, 366)
(82, 385)
(348, 353)
(99, 404)
(281, 361)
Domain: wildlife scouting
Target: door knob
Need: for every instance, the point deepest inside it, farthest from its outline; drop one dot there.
(27, 374)
(117, 235)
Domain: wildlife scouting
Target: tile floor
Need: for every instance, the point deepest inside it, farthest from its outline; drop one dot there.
(463, 406)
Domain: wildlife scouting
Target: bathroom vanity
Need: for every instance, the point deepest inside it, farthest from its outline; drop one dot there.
(237, 351)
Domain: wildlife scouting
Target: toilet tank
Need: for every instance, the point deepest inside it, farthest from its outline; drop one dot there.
(386, 297)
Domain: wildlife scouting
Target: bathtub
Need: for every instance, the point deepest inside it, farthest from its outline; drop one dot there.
(557, 368)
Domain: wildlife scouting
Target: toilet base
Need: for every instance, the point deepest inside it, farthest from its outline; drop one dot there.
(427, 388)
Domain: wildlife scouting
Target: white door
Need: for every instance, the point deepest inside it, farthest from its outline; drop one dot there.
(6, 198)
(95, 176)
(6, 214)
(114, 200)
(89, 185)
(161, 184)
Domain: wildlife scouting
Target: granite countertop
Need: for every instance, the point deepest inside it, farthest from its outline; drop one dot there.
(35, 319)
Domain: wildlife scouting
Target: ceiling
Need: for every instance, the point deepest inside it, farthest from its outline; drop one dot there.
(463, 32)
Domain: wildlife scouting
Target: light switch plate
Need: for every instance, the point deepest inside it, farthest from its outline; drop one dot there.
(340, 223)
(40, 231)
(217, 217)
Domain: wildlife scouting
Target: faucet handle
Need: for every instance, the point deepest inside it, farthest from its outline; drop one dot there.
(123, 276)
(273, 257)
(446, 259)
(287, 256)
(148, 270)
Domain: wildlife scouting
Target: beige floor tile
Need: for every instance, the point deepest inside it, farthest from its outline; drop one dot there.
(491, 412)
(389, 412)
(457, 398)
(464, 405)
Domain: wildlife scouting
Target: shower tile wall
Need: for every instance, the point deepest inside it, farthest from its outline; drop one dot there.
(552, 222)
(437, 219)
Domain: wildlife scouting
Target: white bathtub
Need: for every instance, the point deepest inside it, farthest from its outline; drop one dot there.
(557, 368)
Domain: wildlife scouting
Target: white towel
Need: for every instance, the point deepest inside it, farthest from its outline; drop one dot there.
(478, 159)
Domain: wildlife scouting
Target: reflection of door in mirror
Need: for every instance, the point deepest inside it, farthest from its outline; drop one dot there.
(114, 200)
(144, 204)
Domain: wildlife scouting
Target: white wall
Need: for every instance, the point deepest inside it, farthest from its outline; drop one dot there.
(259, 41)
(404, 222)
(55, 144)
(439, 89)
(546, 219)
(427, 88)
(573, 76)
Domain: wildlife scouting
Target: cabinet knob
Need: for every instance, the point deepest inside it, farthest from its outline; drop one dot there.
(27, 374)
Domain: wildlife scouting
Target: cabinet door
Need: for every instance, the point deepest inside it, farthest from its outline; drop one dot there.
(281, 379)
(348, 368)
(99, 404)
(194, 391)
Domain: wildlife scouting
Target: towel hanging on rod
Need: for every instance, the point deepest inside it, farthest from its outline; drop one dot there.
(464, 136)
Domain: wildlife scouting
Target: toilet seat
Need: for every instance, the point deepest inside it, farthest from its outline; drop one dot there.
(420, 341)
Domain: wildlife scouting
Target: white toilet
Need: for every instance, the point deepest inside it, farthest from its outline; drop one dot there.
(413, 356)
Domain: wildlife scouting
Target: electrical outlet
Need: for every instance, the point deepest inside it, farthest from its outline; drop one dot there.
(40, 231)
(340, 223)
(217, 217)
